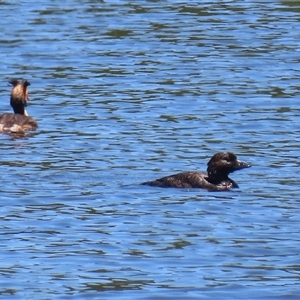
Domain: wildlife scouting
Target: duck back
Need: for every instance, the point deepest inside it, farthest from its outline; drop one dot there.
(191, 179)
(16, 123)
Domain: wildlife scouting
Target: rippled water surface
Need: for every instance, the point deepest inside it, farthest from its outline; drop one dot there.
(128, 91)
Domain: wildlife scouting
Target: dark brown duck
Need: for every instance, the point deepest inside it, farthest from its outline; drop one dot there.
(215, 179)
(19, 121)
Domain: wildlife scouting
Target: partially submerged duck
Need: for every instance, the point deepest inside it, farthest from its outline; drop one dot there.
(19, 121)
(215, 179)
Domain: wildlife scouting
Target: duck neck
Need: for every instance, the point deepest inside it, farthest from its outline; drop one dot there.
(20, 109)
(216, 177)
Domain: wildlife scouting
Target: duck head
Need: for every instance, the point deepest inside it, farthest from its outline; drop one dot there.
(224, 163)
(19, 96)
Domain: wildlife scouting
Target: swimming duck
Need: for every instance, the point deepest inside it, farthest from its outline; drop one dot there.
(215, 179)
(19, 121)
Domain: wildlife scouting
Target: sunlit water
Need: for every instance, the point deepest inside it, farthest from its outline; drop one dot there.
(126, 92)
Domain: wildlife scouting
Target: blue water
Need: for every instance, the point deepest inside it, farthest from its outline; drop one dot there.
(127, 92)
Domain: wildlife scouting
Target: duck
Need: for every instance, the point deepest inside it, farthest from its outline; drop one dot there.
(19, 121)
(215, 178)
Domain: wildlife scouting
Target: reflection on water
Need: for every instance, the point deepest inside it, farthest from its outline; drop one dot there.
(123, 93)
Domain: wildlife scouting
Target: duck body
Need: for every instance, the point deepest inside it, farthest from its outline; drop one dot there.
(192, 179)
(215, 179)
(19, 121)
(10, 122)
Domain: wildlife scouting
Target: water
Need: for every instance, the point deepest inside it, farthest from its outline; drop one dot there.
(126, 92)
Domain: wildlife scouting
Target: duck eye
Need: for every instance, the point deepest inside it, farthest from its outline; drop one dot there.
(230, 157)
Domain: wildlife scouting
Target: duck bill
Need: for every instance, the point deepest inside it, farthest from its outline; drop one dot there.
(241, 165)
